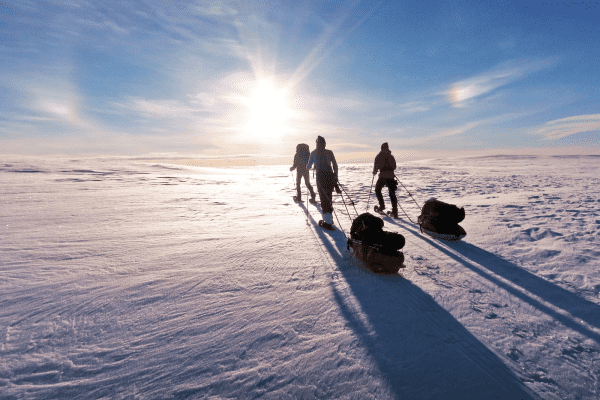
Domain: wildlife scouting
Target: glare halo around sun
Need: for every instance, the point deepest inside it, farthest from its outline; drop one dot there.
(269, 111)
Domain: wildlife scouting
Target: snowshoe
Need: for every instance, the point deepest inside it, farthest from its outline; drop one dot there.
(325, 225)
(379, 210)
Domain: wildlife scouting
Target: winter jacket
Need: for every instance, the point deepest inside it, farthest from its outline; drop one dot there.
(323, 160)
(386, 163)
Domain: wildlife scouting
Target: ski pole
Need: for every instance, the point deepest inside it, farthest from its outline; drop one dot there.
(369, 198)
(306, 208)
(293, 179)
(336, 217)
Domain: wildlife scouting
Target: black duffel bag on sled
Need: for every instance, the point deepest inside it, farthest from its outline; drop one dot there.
(376, 248)
(440, 220)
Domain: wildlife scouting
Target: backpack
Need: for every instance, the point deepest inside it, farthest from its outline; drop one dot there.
(303, 152)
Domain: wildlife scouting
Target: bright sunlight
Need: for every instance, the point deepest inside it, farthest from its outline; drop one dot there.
(268, 111)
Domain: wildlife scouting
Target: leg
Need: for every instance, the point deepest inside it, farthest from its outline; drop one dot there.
(378, 187)
(298, 191)
(325, 188)
(308, 185)
(392, 186)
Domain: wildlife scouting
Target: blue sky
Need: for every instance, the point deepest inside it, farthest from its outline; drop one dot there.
(224, 78)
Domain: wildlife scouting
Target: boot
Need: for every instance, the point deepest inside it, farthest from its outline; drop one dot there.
(395, 212)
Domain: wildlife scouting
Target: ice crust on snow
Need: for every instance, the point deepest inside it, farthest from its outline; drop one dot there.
(123, 278)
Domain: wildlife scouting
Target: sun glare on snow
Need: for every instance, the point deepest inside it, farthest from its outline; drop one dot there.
(268, 111)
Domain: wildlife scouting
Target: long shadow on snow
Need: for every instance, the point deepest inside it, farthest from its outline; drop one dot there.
(545, 291)
(420, 349)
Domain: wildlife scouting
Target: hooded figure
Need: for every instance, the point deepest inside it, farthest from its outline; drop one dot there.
(300, 161)
(386, 164)
(327, 172)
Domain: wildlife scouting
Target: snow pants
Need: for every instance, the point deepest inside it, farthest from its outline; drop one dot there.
(325, 185)
(303, 173)
(392, 186)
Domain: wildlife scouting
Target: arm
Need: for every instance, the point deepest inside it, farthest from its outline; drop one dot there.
(334, 164)
(335, 173)
(375, 166)
(310, 161)
(295, 162)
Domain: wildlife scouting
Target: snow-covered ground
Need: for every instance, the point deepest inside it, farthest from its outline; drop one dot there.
(129, 279)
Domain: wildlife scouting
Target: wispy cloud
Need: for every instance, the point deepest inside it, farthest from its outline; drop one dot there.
(463, 91)
(52, 100)
(432, 135)
(326, 45)
(563, 127)
(217, 9)
(161, 108)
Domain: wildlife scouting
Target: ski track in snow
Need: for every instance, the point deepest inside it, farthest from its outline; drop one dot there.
(130, 279)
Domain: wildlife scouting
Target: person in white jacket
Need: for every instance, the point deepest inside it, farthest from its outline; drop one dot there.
(327, 175)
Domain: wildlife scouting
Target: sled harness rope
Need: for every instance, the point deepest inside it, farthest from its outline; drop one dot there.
(349, 199)
(410, 194)
(334, 213)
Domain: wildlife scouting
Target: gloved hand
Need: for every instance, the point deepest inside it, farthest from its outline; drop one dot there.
(291, 168)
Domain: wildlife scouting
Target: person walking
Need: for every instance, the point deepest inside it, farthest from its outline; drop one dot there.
(386, 164)
(300, 161)
(327, 175)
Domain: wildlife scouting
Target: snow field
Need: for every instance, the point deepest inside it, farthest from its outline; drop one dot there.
(126, 279)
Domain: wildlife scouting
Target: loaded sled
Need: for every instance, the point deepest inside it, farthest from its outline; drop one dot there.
(440, 220)
(379, 250)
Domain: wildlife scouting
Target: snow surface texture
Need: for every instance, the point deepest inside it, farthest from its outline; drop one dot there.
(125, 279)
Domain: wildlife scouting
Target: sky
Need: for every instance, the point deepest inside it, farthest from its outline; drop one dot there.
(237, 78)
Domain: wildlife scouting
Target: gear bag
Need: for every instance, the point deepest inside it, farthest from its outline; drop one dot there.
(440, 216)
(368, 229)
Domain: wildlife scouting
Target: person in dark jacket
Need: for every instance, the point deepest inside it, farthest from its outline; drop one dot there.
(300, 161)
(327, 175)
(386, 164)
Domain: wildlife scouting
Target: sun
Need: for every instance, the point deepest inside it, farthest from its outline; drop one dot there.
(269, 111)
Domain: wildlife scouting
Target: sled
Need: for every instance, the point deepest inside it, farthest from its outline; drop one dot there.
(454, 235)
(375, 259)
(379, 250)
